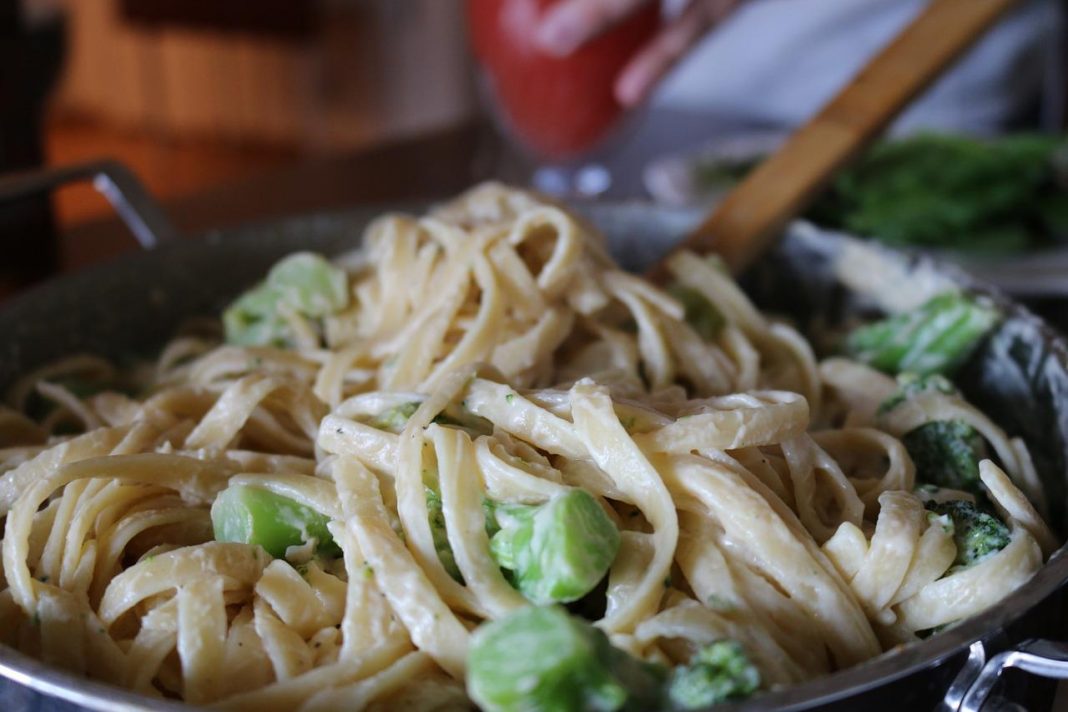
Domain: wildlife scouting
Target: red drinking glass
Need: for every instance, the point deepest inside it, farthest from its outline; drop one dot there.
(560, 110)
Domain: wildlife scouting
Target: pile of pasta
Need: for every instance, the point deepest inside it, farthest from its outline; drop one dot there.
(760, 495)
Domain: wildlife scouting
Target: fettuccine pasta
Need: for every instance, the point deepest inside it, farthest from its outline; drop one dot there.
(490, 351)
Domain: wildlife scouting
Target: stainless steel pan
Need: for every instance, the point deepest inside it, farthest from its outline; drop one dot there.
(1020, 377)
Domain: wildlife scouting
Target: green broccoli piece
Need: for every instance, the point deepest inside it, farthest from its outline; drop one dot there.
(933, 338)
(542, 659)
(717, 673)
(304, 282)
(976, 533)
(394, 419)
(701, 314)
(912, 384)
(310, 284)
(462, 419)
(947, 454)
(489, 510)
(436, 515)
(253, 319)
(557, 551)
(952, 191)
(252, 515)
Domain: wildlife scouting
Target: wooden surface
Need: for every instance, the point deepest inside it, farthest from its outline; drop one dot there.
(752, 216)
(169, 168)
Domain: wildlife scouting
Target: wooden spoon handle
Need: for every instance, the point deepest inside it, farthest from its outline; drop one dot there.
(753, 215)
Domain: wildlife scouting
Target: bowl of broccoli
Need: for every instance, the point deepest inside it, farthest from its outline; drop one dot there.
(997, 205)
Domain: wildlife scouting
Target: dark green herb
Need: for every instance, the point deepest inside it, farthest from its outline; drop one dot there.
(951, 191)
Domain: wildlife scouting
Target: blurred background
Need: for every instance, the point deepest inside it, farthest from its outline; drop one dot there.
(251, 109)
(195, 93)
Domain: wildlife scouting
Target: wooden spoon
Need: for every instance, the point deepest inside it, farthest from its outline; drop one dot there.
(752, 216)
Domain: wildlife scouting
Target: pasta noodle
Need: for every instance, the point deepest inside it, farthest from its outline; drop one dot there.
(490, 351)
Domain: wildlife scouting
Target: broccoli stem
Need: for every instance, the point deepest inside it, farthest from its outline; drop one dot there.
(557, 551)
(310, 284)
(541, 659)
(717, 673)
(253, 319)
(252, 515)
(933, 338)
(303, 282)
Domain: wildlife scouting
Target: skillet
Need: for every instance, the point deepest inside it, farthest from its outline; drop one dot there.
(134, 303)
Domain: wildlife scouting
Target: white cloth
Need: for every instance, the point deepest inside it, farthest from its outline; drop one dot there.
(777, 62)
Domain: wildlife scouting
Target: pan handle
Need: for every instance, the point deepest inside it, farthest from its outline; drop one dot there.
(138, 210)
(1046, 658)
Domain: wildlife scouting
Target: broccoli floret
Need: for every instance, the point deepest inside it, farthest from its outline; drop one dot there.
(947, 454)
(557, 551)
(976, 533)
(717, 673)
(543, 659)
(701, 314)
(912, 384)
(933, 338)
